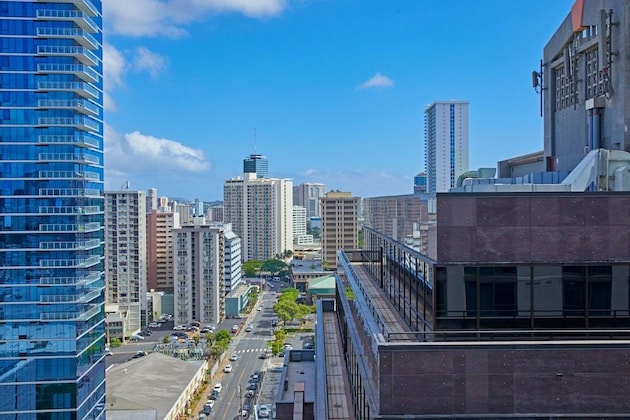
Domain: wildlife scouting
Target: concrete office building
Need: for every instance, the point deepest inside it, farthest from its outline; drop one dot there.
(160, 226)
(308, 195)
(339, 225)
(260, 211)
(233, 259)
(199, 271)
(126, 256)
(445, 143)
(256, 164)
(396, 215)
(214, 214)
(585, 79)
(52, 329)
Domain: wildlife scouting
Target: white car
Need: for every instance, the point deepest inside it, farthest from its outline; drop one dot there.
(218, 387)
(154, 325)
(227, 368)
(233, 358)
(210, 403)
(263, 412)
(179, 328)
(136, 337)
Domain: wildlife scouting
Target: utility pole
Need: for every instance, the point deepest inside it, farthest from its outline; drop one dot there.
(240, 402)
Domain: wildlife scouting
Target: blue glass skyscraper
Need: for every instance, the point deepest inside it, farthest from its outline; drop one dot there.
(52, 331)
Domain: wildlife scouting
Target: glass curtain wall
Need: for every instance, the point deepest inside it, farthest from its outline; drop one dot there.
(52, 331)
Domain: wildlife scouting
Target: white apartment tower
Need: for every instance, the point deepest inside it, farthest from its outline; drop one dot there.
(233, 259)
(445, 143)
(198, 255)
(261, 213)
(308, 195)
(125, 256)
(299, 221)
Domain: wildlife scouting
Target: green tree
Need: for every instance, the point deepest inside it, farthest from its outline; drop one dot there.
(166, 339)
(286, 310)
(252, 268)
(303, 311)
(196, 339)
(276, 346)
(114, 342)
(216, 351)
(223, 336)
(274, 266)
(280, 335)
(290, 293)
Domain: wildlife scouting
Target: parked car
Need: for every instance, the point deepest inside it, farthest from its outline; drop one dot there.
(249, 328)
(308, 345)
(214, 395)
(255, 376)
(252, 387)
(179, 328)
(154, 325)
(234, 329)
(227, 368)
(218, 387)
(210, 403)
(207, 409)
(233, 357)
(145, 333)
(287, 346)
(263, 412)
(108, 352)
(136, 337)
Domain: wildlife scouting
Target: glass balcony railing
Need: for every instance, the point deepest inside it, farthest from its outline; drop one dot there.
(82, 71)
(82, 54)
(69, 227)
(78, 35)
(71, 245)
(80, 88)
(71, 281)
(80, 105)
(81, 19)
(70, 210)
(68, 157)
(79, 140)
(81, 123)
(85, 5)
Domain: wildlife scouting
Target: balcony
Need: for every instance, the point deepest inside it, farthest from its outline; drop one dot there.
(71, 210)
(70, 192)
(82, 54)
(81, 19)
(80, 123)
(79, 105)
(72, 175)
(80, 36)
(82, 71)
(83, 89)
(68, 157)
(70, 227)
(73, 245)
(83, 5)
(70, 281)
(70, 263)
(79, 140)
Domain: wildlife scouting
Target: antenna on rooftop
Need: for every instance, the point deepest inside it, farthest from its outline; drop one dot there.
(125, 186)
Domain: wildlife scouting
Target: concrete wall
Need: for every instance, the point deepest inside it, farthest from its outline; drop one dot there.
(508, 379)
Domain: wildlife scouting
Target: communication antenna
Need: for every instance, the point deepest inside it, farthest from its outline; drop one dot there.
(537, 84)
(125, 186)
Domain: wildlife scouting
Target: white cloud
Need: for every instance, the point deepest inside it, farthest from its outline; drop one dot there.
(377, 81)
(146, 60)
(136, 153)
(114, 67)
(166, 18)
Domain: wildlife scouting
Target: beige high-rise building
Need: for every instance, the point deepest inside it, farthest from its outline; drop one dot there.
(199, 274)
(261, 213)
(125, 256)
(160, 225)
(308, 195)
(339, 225)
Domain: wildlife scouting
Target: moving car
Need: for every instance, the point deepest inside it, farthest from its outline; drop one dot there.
(233, 357)
(249, 328)
(227, 368)
(262, 356)
(218, 387)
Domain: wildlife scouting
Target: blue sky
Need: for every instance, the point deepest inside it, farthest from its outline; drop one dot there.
(335, 89)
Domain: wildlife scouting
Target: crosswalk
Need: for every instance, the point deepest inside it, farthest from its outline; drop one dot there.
(257, 350)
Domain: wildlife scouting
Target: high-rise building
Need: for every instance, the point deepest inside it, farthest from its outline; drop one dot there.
(52, 328)
(152, 200)
(160, 225)
(420, 183)
(445, 143)
(126, 256)
(199, 274)
(308, 196)
(339, 225)
(299, 221)
(256, 164)
(214, 214)
(233, 259)
(261, 213)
